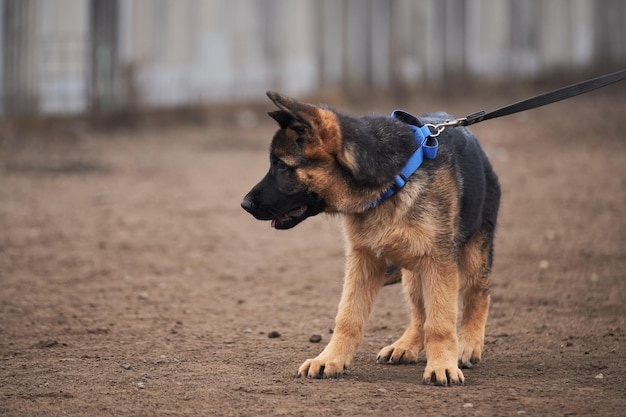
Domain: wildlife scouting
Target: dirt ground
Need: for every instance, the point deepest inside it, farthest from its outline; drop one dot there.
(132, 283)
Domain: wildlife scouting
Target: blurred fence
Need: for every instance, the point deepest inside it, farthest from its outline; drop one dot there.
(73, 56)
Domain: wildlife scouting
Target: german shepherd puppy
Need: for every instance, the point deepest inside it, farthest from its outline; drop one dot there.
(437, 230)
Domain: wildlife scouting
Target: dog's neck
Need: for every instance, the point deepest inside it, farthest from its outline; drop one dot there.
(424, 150)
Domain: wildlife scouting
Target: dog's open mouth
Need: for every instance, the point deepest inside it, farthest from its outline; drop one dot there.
(291, 218)
(284, 210)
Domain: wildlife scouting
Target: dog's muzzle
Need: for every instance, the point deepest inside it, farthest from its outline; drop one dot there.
(286, 214)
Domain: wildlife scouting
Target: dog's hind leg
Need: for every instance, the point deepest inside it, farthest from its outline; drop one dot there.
(407, 348)
(474, 267)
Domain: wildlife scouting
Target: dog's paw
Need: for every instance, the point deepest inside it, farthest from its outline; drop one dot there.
(321, 368)
(397, 354)
(443, 374)
(469, 352)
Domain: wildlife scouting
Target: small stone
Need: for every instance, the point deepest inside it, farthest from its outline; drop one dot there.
(599, 376)
(544, 264)
(247, 331)
(316, 338)
(468, 405)
(126, 366)
(273, 334)
(176, 327)
(141, 385)
(383, 390)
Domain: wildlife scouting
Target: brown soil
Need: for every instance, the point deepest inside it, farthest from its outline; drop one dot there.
(132, 283)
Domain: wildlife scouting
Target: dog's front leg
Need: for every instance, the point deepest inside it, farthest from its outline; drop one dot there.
(440, 284)
(365, 276)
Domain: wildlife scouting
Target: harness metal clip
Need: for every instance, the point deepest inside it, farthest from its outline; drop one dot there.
(440, 127)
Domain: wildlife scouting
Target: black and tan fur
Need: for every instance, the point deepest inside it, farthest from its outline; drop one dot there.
(438, 230)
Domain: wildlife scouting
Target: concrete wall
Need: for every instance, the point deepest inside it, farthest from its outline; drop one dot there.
(181, 52)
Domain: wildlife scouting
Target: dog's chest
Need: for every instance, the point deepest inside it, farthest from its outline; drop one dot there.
(400, 242)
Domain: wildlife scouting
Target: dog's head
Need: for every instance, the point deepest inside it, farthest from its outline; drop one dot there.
(309, 166)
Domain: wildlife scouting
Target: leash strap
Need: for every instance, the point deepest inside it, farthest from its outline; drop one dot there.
(533, 102)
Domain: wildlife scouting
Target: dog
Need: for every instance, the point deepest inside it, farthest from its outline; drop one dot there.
(435, 230)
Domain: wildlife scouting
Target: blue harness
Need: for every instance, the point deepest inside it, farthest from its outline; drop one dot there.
(421, 134)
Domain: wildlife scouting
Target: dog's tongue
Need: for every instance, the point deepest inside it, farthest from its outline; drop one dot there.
(293, 213)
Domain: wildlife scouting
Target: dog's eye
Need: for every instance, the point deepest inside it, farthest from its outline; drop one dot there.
(300, 130)
(281, 166)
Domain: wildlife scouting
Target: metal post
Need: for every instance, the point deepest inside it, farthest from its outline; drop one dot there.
(105, 76)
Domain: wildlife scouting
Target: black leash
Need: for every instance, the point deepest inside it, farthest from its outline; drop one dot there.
(533, 102)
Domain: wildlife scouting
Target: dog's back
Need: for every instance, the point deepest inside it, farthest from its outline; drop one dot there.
(479, 188)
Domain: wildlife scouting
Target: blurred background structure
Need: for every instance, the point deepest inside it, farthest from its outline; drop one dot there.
(77, 56)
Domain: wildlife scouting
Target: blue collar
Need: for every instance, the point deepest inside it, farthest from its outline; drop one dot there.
(421, 134)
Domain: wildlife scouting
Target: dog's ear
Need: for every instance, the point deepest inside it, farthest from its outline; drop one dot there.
(292, 112)
(284, 119)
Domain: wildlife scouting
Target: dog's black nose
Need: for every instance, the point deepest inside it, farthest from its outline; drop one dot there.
(247, 204)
